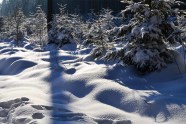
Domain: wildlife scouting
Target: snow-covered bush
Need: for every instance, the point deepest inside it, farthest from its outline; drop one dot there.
(149, 35)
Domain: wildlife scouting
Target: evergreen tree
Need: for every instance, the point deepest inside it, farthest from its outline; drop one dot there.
(1, 27)
(41, 26)
(149, 34)
(19, 18)
(98, 34)
(1, 23)
(62, 28)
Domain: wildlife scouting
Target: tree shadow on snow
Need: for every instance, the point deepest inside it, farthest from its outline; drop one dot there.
(55, 81)
(60, 91)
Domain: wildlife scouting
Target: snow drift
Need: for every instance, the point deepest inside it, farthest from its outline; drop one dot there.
(59, 87)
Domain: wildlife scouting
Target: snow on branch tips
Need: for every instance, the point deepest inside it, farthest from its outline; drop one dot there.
(153, 27)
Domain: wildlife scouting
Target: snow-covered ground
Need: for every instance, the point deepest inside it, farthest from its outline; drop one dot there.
(63, 87)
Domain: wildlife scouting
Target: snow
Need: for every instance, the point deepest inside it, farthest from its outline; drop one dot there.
(62, 87)
(141, 56)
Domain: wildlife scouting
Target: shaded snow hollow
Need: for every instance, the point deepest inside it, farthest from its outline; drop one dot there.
(59, 87)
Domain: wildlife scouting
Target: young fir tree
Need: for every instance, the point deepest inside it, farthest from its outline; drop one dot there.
(8, 27)
(98, 37)
(78, 27)
(61, 28)
(29, 25)
(149, 34)
(19, 18)
(41, 26)
(1, 23)
(1, 26)
(98, 34)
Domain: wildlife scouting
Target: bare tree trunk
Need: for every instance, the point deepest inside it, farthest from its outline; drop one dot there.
(49, 14)
(150, 4)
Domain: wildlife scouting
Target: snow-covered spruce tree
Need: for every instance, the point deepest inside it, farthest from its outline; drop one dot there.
(91, 16)
(1, 23)
(106, 18)
(91, 24)
(7, 27)
(149, 35)
(30, 26)
(78, 28)
(182, 24)
(19, 18)
(61, 31)
(98, 34)
(10, 27)
(1, 27)
(40, 26)
(99, 39)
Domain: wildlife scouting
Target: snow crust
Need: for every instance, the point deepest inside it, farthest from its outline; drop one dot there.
(60, 87)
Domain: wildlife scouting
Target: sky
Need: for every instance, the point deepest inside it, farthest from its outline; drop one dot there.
(1, 1)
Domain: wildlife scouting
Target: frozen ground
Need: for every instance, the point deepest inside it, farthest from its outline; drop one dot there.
(63, 87)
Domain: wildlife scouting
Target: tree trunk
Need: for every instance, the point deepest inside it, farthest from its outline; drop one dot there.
(49, 14)
(150, 4)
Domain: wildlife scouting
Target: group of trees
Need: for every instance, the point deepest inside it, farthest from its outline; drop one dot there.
(82, 6)
(146, 37)
(143, 36)
(28, 6)
(20, 27)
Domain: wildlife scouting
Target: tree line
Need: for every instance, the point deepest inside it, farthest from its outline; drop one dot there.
(8, 7)
(80, 6)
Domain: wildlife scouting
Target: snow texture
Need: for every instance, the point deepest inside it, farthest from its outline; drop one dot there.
(61, 87)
